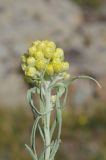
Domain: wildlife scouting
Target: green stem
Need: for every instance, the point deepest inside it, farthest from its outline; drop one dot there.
(47, 122)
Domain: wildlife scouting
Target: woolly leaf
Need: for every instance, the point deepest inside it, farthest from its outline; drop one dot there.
(54, 149)
(34, 157)
(52, 128)
(33, 133)
(84, 77)
(41, 133)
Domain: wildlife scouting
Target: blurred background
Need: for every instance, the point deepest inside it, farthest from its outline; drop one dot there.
(79, 27)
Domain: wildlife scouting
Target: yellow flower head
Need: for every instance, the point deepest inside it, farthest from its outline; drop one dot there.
(50, 70)
(51, 45)
(24, 58)
(65, 66)
(32, 51)
(59, 53)
(30, 60)
(57, 66)
(44, 59)
(40, 65)
(39, 55)
(30, 71)
(48, 52)
(23, 66)
(36, 43)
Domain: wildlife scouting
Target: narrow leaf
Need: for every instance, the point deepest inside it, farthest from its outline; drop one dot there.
(52, 128)
(41, 133)
(34, 157)
(85, 77)
(33, 133)
(54, 149)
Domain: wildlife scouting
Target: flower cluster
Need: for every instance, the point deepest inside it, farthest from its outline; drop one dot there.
(43, 59)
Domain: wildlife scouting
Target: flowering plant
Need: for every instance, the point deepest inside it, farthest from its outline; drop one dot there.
(46, 70)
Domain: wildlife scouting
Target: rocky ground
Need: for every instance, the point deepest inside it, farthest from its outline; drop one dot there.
(81, 33)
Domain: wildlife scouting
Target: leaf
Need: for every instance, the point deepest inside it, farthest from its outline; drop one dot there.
(54, 149)
(30, 100)
(61, 91)
(84, 77)
(65, 97)
(52, 128)
(34, 157)
(41, 133)
(33, 133)
(33, 107)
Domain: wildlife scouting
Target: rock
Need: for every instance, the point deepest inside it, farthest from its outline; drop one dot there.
(88, 55)
(95, 53)
(25, 21)
(88, 46)
(12, 91)
(82, 92)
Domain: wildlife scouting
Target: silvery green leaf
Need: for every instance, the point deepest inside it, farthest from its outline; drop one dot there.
(65, 97)
(61, 91)
(33, 107)
(41, 133)
(54, 149)
(84, 77)
(33, 133)
(30, 100)
(52, 128)
(34, 157)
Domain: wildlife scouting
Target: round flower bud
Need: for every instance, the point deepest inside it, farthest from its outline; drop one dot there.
(49, 70)
(39, 55)
(51, 45)
(66, 76)
(48, 52)
(57, 66)
(23, 66)
(32, 51)
(36, 43)
(30, 60)
(59, 53)
(65, 66)
(42, 45)
(40, 65)
(23, 58)
(56, 60)
(30, 71)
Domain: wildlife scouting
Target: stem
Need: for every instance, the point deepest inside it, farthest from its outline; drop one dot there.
(47, 122)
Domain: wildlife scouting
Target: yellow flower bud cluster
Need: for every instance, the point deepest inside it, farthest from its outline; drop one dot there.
(44, 59)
